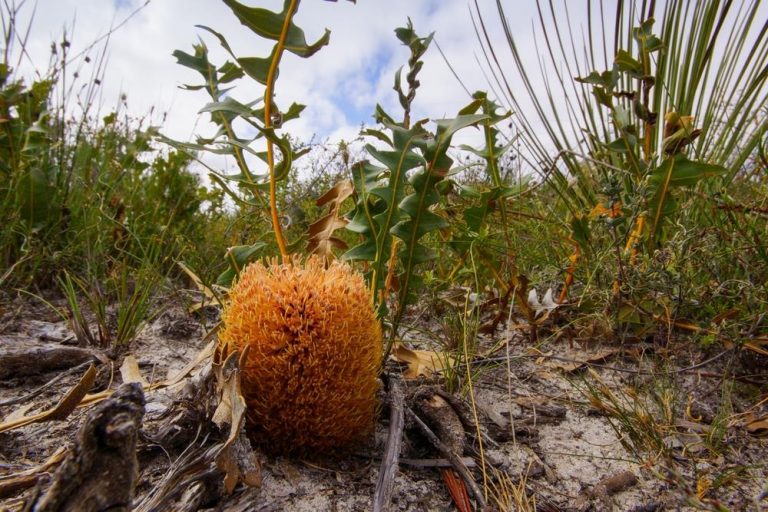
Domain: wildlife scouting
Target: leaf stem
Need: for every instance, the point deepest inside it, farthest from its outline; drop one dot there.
(268, 93)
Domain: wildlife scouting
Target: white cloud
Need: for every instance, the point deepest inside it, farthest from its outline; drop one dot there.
(340, 84)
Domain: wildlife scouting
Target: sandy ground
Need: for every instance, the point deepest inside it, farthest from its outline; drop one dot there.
(566, 453)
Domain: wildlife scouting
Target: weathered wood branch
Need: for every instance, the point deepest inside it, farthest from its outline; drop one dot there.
(382, 497)
(100, 470)
(20, 357)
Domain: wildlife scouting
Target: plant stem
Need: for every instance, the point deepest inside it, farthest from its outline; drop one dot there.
(268, 93)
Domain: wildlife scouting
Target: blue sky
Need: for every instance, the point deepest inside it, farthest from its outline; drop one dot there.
(340, 85)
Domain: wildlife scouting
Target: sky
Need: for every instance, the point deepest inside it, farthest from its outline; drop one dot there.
(340, 85)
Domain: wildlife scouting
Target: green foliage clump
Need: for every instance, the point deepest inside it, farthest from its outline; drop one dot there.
(90, 200)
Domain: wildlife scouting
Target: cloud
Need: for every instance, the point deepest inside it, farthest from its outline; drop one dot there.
(340, 85)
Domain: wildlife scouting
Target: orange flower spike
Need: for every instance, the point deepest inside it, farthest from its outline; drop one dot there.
(311, 376)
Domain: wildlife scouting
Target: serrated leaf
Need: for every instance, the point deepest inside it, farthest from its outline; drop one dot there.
(230, 105)
(365, 251)
(198, 62)
(626, 62)
(604, 79)
(269, 25)
(230, 72)
(403, 161)
(258, 67)
(619, 145)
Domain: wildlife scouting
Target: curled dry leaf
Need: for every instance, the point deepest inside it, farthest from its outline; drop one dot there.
(421, 362)
(546, 305)
(758, 426)
(204, 355)
(321, 239)
(130, 372)
(235, 458)
(576, 360)
(758, 345)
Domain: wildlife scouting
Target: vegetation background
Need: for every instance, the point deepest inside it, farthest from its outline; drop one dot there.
(626, 201)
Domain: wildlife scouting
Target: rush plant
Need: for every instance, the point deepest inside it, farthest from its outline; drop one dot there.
(639, 117)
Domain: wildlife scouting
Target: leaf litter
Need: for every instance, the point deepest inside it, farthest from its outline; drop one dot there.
(540, 432)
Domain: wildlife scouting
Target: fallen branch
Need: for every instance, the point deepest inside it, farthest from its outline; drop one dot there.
(382, 497)
(100, 471)
(454, 459)
(32, 394)
(20, 357)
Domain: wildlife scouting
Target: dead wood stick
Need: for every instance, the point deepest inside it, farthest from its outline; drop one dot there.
(12, 484)
(32, 394)
(455, 460)
(385, 484)
(100, 471)
(20, 357)
(436, 463)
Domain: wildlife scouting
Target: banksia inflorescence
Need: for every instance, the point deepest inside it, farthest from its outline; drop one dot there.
(310, 378)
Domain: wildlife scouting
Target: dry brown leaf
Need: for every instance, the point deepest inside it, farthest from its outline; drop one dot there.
(231, 405)
(203, 355)
(130, 372)
(758, 345)
(236, 465)
(321, 239)
(337, 194)
(579, 360)
(212, 297)
(65, 406)
(11, 484)
(421, 362)
(19, 413)
(758, 427)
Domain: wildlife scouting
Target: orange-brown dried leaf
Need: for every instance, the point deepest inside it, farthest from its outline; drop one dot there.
(321, 239)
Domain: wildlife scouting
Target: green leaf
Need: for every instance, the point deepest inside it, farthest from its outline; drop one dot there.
(625, 62)
(580, 231)
(435, 149)
(603, 97)
(644, 35)
(380, 192)
(286, 151)
(395, 160)
(257, 67)
(365, 251)
(230, 105)
(229, 72)
(269, 25)
(198, 62)
(418, 45)
(685, 173)
(604, 79)
(378, 134)
(675, 171)
(238, 257)
(620, 145)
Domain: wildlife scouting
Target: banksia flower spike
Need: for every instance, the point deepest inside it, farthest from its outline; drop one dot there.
(310, 379)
